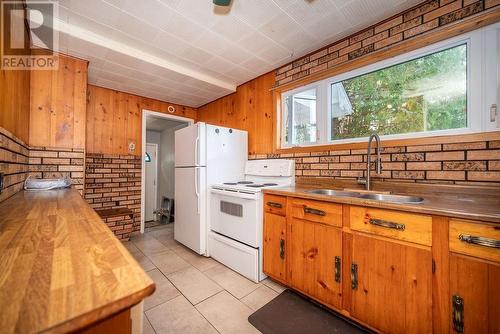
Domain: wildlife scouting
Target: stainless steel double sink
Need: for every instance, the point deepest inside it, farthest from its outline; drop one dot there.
(373, 196)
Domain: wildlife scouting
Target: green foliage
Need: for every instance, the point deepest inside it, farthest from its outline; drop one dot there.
(419, 95)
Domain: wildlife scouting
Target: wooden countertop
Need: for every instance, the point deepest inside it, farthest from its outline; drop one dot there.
(484, 207)
(61, 268)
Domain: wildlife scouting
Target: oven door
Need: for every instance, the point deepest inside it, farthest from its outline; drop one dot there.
(237, 216)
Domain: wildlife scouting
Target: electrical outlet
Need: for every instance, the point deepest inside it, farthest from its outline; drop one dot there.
(1, 183)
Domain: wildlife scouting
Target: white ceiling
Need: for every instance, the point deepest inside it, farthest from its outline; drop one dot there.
(160, 124)
(186, 52)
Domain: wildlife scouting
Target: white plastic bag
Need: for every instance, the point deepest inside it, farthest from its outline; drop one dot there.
(46, 184)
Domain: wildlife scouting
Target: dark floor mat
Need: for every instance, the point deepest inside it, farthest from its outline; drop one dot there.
(290, 313)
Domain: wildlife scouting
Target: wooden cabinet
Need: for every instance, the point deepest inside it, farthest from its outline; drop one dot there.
(317, 211)
(275, 204)
(391, 285)
(474, 295)
(315, 261)
(275, 246)
(394, 271)
(399, 225)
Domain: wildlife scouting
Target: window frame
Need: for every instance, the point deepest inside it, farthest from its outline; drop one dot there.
(320, 121)
(479, 92)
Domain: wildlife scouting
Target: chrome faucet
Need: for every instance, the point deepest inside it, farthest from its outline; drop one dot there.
(378, 164)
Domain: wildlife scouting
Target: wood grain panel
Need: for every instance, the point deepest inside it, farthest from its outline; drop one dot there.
(15, 98)
(441, 275)
(490, 231)
(394, 290)
(275, 204)
(322, 212)
(274, 235)
(250, 108)
(418, 228)
(311, 261)
(57, 113)
(114, 119)
(62, 267)
(477, 283)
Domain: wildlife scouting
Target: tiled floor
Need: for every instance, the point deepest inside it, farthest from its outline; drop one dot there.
(195, 294)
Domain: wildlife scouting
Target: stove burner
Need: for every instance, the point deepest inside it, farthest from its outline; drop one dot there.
(255, 185)
(245, 182)
(269, 184)
(230, 183)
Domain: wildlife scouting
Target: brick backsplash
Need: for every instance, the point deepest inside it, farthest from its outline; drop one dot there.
(18, 161)
(461, 163)
(50, 162)
(14, 159)
(114, 181)
(426, 17)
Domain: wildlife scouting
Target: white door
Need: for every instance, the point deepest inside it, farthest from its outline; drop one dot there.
(190, 146)
(151, 162)
(190, 207)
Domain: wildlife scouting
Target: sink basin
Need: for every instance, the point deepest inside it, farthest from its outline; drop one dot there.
(331, 192)
(374, 196)
(393, 198)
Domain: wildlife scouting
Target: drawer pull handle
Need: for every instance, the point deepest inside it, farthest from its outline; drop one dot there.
(354, 276)
(314, 211)
(282, 249)
(458, 313)
(275, 205)
(480, 241)
(337, 269)
(388, 224)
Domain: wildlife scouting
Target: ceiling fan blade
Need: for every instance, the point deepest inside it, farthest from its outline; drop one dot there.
(223, 3)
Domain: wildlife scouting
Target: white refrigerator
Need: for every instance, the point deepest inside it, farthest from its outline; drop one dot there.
(204, 155)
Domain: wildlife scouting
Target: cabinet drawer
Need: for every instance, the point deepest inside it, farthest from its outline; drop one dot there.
(321, 212)
(392, 224)
(475, 239)
(275, 204)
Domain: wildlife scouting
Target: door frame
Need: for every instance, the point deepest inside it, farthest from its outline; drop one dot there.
(156, 181)
(145, 113)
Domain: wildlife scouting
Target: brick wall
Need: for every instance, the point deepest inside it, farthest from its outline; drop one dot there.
(462, 163)
(18, 161)
(114, 181)
(49, 162)
(14, 155)
(426, 17)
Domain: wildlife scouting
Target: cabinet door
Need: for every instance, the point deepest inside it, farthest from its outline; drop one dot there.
(315, 261)
(393, 289)
(275, 246)
(476, 286)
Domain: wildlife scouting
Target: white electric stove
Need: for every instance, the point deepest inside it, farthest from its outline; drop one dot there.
(235, 236)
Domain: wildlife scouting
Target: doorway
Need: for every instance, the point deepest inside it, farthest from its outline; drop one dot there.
(151, 161)
(157, 173)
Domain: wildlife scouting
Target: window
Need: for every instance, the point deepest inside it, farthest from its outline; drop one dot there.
(425, 94)
(440, 89)
(300, 117)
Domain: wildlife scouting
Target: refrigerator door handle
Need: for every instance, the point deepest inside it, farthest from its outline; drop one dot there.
(196, 151)
(196, 189)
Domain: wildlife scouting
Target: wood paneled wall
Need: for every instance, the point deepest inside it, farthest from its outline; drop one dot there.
(15, 99)
(15, 102)
(57, 117)
(250, 108)
(114, 119)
